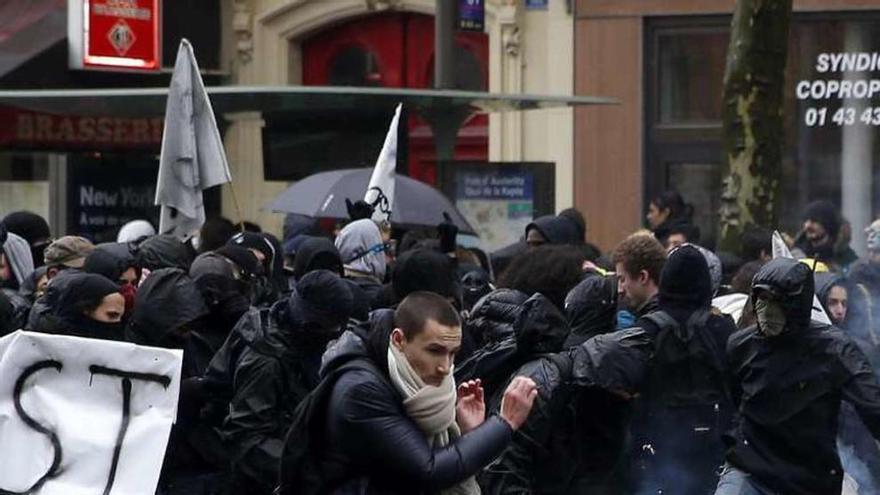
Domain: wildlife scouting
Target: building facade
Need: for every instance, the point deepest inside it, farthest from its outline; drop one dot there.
(664, 60)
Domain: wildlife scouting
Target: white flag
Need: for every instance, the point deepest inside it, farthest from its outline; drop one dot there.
(380, 192)
(193, 157)
(780, 250)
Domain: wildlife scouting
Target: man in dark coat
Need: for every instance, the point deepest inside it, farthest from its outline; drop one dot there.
(685, 403)
(575, 439)
(790, 376)
(370, 440)
(549, 229)
(270, 362)
(818, 238)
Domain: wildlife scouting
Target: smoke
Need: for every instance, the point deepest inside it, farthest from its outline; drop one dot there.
(859, 453)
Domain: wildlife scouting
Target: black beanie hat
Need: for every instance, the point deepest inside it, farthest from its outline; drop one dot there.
(825, 213)
(685, 279)
(321, 297)
(424, 270)
(30, 226)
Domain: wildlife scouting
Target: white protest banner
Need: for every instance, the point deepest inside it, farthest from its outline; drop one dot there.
(82, 416)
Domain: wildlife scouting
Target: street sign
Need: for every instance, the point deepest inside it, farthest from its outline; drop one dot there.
(471, 15)
(115, 34)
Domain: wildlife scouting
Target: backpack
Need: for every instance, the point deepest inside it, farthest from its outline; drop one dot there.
(300, 470)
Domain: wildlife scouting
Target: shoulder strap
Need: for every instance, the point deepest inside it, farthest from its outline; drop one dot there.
(663, 320)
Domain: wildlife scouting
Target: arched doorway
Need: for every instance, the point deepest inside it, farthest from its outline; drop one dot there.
(396, 50)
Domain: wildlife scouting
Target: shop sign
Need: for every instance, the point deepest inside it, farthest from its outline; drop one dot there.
(471, 15)
(32, 130)
(115, 34)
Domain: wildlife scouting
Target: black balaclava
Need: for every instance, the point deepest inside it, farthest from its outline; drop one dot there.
(32, 228)
(82, 291)
(226, 296)
(321, 304)
(474, 285)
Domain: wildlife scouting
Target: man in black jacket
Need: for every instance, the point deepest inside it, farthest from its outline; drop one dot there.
(791, 374)
(389, 424)
(638, 261)
(685, 403)
(271, 361)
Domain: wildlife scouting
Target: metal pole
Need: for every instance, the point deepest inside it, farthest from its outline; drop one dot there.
(444, 44)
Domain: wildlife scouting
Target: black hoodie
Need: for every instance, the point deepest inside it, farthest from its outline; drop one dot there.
(789, 390)
(557, 230)
(591, 308)
(316, 253)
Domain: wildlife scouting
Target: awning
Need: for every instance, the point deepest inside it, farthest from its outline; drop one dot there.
(29, 28)
(148, 102)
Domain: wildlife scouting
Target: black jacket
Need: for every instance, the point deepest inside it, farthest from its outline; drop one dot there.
(268, 366)
(372, 447)
(685, 403)
(538, 328)
(790, 389)
(490, 320)
(575, 437)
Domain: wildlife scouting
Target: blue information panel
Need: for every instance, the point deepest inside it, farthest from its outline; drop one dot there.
(471, 15)
(536, 4)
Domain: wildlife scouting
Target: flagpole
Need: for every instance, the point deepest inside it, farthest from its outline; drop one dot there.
(236, 205)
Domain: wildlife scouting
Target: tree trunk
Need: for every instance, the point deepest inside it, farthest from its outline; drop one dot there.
(752, 132)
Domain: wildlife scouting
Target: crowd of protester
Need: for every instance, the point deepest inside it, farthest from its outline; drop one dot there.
(372, 361)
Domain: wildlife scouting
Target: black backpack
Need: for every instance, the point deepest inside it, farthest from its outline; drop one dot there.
(300, 470)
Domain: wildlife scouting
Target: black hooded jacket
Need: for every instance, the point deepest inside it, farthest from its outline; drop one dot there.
(269, 363)
(111, 260)
(316, 253)
(371, 446)
(789, 390)
(591, 308)
(164, 251)
(685, 403)
(538, 328)
(556, 229)
(69, 294)
(574, 439)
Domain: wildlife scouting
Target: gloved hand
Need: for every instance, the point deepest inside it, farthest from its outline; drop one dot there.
(358, 210)
(448, 232)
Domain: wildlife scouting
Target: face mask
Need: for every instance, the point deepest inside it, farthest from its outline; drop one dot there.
(771, 317)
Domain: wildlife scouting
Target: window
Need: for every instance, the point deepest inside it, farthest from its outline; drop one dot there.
(829, 150)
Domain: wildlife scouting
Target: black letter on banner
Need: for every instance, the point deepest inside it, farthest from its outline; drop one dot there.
(127, 377)
(54, 469)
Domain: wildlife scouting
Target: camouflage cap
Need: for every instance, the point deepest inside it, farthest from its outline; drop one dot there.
(70, 251)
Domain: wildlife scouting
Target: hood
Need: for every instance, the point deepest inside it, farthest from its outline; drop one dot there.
(164, 251)
(110, 260)
(33, 229)
(76, 292)
(824, 282)
(425, 270)
(18, 255)
(321, 297)
(685, 281)
(167, 300)
(135, 230)
(368, 340)
(539, 328)
(491, 319)
(296, 225)
(591, 308)
(614, 361)
(316, 253)
(715, 269)
(258, 242)
(361, 248)
(557, 230)
(792, 282)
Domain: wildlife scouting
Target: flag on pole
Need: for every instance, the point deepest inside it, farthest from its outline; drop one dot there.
(192, 158)
(780, 250)
(380, 192)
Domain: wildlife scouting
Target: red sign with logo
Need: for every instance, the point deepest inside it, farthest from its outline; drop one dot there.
(122, 34)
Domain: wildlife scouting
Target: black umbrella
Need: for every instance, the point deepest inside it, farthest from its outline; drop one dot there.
(323, 195)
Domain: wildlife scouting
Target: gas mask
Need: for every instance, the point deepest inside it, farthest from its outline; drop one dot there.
(771, 317)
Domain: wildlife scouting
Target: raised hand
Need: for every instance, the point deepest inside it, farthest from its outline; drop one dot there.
(470, 410)
(518, 400)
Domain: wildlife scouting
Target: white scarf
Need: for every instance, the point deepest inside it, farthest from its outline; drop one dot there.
(432, 408)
